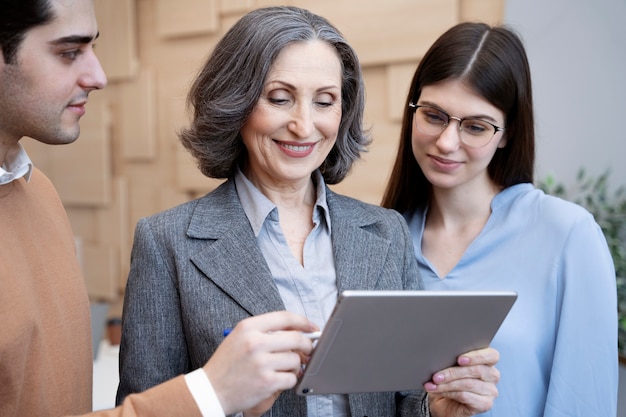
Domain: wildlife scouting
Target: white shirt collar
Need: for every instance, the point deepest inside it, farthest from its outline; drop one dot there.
(16, 165)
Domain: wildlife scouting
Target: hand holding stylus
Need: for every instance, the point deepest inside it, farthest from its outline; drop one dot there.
(260, 357)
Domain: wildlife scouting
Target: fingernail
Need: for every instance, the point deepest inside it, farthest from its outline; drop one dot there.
(429, 386)
(439, 378)
(464, 360)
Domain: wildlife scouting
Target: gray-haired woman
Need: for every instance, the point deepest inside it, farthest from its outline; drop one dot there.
(277, 111)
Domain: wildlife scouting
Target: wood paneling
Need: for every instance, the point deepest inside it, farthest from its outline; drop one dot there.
(82, 172)
(177, 18)
(100, 269)
(235, 6)
(114, 230)
(137, 118)
(118, 48)
(391, 30)
(489, 11)
(398, 80)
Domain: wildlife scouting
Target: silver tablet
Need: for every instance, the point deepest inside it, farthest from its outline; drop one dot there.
(377, 341)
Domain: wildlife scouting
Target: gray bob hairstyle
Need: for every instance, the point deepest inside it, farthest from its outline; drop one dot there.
(230, 83)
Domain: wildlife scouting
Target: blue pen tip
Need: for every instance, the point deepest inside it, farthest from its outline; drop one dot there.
(227, 332)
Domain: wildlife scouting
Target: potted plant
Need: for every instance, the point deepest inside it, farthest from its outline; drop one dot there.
(609, 209)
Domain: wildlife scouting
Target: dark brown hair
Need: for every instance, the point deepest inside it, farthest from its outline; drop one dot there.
(16, 18)
(493, 63)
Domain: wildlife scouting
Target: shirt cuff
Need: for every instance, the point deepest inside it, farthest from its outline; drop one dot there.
(203, 393)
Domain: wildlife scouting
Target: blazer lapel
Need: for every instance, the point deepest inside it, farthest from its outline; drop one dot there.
(230, 257)
(359, 253)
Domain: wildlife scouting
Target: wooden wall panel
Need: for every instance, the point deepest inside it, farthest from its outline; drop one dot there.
(118, 48)
(114, 229)
(178, 18)
(398, 80)
(129, 163)
(235, 6)
(137, 120)
(188, 176)
(489, 11)
(82, 172)
(83, 223)
(143, 185)
(368, 176)
(390, 30)
(100, 265)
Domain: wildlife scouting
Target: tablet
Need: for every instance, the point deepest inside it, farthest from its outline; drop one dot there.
(377, 341)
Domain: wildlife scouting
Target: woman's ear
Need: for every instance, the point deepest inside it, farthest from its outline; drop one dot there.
(503, 141)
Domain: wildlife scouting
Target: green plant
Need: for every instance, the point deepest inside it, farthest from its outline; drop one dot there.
(609, 209)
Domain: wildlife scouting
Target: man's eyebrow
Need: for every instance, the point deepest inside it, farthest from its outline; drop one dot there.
(75, 39)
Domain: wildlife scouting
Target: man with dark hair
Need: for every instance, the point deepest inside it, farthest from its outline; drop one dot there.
(47, 70)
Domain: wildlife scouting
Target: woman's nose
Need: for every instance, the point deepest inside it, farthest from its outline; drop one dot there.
(301, 123)
(450, 138)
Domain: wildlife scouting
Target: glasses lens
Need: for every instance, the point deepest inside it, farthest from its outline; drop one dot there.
(430, 121)
(476, 132)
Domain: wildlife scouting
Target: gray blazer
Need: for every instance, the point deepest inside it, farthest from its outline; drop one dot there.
(196, 270)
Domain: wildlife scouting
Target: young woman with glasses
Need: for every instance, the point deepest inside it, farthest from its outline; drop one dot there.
(463, 179)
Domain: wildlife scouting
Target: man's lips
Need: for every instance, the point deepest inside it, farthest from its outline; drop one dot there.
(78, 107)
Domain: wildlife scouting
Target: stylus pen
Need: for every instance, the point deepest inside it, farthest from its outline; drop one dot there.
(311, 335)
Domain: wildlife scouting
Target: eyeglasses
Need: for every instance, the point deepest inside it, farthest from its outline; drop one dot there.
(432, 121)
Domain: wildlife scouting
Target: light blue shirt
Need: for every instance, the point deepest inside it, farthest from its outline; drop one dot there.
(309, 290)
(558, 345)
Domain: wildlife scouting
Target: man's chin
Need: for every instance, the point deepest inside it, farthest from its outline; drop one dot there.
(60, 137)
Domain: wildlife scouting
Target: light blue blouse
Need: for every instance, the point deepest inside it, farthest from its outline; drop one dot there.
(558, 345)
(309, 290)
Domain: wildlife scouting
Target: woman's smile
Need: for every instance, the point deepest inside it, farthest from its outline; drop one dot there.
(296, 150)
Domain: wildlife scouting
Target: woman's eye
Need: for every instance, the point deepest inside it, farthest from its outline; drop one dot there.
(433, 117)
(277, 100)
(278, 97)
(324, 103)
(325, 100)
(475, 127)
